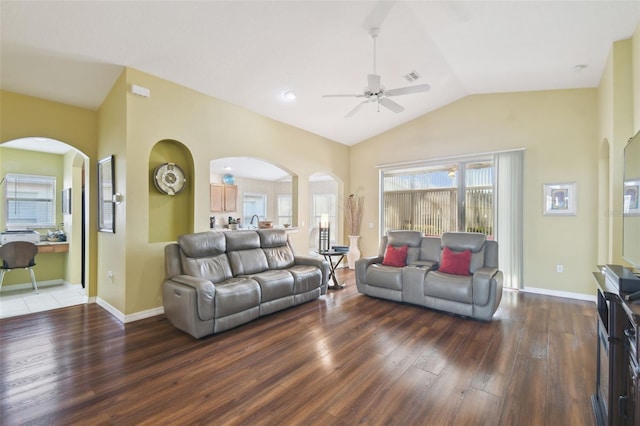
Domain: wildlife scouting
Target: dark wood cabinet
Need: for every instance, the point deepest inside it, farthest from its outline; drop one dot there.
(616, 398)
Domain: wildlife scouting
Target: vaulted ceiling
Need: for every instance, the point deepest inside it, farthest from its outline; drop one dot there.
(250, 53)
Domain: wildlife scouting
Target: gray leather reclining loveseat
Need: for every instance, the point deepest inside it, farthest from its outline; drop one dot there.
(420, 279)
(215, 281)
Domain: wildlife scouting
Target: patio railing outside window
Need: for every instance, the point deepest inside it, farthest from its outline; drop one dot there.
(428, 201)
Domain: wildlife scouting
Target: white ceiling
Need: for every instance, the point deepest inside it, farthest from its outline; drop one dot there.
(250, 52)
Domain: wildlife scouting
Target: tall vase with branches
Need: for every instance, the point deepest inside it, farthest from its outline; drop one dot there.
(353, 211)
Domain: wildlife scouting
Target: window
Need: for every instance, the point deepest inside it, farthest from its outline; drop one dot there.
(325, 204)
(440, 198)
(284, 209)
(30, 201)
(254, 204)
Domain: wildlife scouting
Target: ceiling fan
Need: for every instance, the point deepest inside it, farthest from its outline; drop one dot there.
(375, 91)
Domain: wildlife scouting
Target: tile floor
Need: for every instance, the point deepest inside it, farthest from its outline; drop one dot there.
(20, 302)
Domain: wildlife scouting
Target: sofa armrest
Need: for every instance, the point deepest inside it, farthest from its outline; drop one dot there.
(361, 270)
(321, 264)
(205, 291)
(483, 279)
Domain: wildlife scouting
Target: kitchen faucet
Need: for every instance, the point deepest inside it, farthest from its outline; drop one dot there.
(256, 217)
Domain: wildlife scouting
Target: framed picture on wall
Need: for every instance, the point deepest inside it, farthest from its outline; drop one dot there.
(560, 199)
(66, 201)
(106, 191)
(631, 193)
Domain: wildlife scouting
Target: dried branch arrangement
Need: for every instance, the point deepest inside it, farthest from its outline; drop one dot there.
(353, 212)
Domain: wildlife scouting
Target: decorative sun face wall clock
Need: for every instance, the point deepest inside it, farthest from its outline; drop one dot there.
(169, 178)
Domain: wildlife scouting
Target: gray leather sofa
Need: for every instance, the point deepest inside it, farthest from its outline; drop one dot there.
(420, 282)
(215, 281)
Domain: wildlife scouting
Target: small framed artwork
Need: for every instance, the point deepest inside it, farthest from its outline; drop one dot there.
(631, 203)
(560, 199)
(66, 201)
(106, 191)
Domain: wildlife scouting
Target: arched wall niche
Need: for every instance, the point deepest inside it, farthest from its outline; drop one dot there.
(170, 215)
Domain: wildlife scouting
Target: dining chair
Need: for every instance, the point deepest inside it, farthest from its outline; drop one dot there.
(18, 255)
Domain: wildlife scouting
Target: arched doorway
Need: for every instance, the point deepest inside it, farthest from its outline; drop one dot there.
(60, 269)
(253, 190)
(324, 200)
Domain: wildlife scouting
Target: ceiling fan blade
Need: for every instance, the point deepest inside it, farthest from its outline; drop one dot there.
(374, 82)
(389, 104)
(408, 90)
(342, 96)
(355, 110)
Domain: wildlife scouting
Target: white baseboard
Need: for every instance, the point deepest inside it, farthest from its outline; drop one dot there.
(144, 314)
(130, 317)
(557, 293)
(27, 286)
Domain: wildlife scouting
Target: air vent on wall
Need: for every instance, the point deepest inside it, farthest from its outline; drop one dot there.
(412, 76)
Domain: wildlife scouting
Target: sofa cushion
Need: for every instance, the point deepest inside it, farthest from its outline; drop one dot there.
(456, 263)
(458, 288)
(395, 256)
(413, 239)
(202, 244)
(242, 240)
(212, 268)
(305, 278)
(272, 237)
(246, 262)
(236, 295)
(460, 241)
(279, 257)
(379, 275)
(274, 284)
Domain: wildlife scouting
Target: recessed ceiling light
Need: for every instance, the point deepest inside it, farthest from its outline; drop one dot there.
(227, 167)
(289, 95)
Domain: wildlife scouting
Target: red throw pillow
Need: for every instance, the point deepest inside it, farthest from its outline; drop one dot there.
(455, 262)
(395, 256)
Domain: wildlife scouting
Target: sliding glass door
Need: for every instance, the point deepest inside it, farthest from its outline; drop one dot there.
(440, 198)
(479, 194)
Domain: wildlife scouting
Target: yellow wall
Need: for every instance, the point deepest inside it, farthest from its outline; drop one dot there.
(24, 116)
(210, 129)
(557, 129)
(112, 247)
(50, 266)
(619, 108)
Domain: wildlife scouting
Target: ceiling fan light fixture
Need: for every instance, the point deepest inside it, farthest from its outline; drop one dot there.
(376, 92)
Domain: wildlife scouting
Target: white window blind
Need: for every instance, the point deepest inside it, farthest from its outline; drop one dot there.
(30, 201)
(284, 209)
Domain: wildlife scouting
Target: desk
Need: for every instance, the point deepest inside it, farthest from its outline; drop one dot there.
(52, 247)
(329, 257)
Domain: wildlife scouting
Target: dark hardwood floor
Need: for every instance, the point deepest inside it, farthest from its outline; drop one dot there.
(343, 359)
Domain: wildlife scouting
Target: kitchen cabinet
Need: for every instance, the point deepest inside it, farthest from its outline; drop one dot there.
(223, 197)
